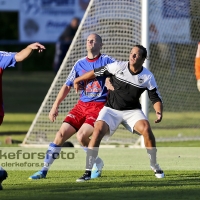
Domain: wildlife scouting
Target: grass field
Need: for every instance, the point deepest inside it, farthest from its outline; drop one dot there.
(22, 104)
(113, 185)
(126, 175)
(131, 179)
(24, 92)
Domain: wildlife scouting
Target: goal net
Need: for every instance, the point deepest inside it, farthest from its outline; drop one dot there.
(173, 36)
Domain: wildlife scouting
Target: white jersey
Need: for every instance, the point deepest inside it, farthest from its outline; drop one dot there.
(128, 86)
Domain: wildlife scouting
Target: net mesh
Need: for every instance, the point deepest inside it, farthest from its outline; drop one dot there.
(173, 33)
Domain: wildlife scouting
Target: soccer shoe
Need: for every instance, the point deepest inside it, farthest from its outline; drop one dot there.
(37, 175)
(3, 176)
(97, 169)
(158, 171)
(85, 177)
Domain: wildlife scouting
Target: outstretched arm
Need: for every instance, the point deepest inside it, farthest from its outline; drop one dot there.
(86, 76)
(24, 53)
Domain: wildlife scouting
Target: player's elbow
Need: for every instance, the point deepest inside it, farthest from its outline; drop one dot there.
(18, 58)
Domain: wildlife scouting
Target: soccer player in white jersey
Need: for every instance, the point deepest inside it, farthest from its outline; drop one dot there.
(9, 59)
(82, 117)
(129, 79)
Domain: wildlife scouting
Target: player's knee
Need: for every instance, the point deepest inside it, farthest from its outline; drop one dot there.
(145, 130)
(59, 139)
(81, 137)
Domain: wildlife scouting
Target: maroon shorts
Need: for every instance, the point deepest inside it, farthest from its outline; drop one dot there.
(84, 113)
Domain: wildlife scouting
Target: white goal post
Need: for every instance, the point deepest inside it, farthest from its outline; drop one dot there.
(167, 30)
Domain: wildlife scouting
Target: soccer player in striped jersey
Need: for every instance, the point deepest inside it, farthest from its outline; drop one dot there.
(9, 59)
(129, 79)
(81, 118)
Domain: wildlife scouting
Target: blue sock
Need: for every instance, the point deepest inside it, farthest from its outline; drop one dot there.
(85, 149)
(97, 160)
(51, 154)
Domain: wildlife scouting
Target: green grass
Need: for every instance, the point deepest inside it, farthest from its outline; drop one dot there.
(20, 122)
(17, 122)
(179, 144)
(20, 137)
(176, 120)
(126, 175)
(112, 185)
(24, 92)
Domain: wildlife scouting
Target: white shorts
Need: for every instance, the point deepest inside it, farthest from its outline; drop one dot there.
(114, 118)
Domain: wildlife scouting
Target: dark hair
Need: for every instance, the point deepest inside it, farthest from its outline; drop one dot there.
(144, 50)
(76, 18)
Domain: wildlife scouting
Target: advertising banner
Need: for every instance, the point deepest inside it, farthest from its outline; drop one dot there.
(44, 20)
(9, 5)
(169, 21)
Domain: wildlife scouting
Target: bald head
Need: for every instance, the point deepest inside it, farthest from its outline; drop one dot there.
(94, 44)
(98, 37)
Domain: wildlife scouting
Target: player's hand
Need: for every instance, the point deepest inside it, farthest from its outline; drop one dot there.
(108, 84)
(53, 114)
(37, 46)
(159, 117)
(81, 86)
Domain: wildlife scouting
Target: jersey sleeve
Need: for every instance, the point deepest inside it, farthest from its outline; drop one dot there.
(153, 92)
(7, 59)
(72, 75)
(154, 95)
(108, 70)
(102, 71)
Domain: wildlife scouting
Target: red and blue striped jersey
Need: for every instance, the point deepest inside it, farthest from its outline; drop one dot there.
(95, 89)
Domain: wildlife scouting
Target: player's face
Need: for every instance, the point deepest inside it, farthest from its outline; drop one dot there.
(93, 44)
(135, 57)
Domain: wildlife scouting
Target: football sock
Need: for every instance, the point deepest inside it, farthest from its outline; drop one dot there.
(97, 160)
(152, 156)
(90, 158)
(51, 154)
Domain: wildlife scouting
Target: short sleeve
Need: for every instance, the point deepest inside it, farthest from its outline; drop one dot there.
(7, 59)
